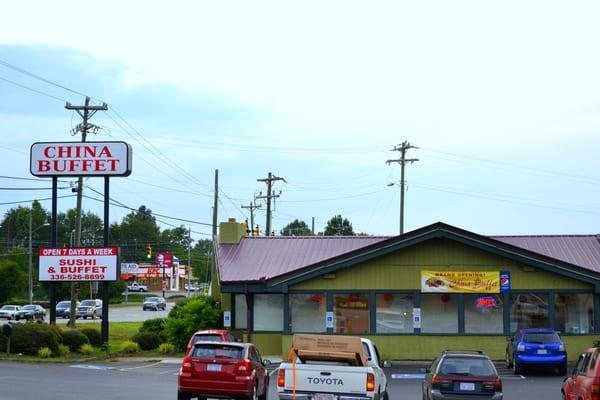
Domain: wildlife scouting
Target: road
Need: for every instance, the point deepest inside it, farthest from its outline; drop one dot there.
(158, 381)
(133, 313)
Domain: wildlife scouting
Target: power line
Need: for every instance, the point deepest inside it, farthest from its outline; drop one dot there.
(521, 168)
(29, 188)
(32, 89)
(122, 205)
(32, 200)
(25, 72)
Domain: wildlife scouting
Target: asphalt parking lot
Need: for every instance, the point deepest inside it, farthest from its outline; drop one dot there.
(151, 380)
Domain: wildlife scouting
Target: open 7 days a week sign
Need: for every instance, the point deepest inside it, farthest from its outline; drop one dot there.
(79, 264)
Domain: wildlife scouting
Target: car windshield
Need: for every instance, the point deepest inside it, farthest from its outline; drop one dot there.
(467, 366)
(8, 308)
(88, 303)
(63, 304)
(208, 338)
(29, 307)
(153, 299)
(214, 350)
(541, 338)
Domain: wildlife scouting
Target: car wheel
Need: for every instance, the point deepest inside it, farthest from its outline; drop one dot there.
(254, 394)
(508, 363)
(183, 396)
(517, 369)
(562, 370)
(385, 396)
(562, 395)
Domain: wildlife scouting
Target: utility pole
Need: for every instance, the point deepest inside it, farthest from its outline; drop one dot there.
(402, 148)
(85, 112)
(252, 207)
(189, 263)
(215, 209)
(269, 181)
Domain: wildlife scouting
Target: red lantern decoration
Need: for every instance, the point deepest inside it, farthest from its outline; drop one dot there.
(445, 298)
(316, 298)
(353, 297)
(388, 297)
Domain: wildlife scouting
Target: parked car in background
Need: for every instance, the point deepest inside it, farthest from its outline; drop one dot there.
(31, 312)
(191, 288)
(536, 347)
(223, 369)
(89, 309)
(462, 375)
(63, 308)
(136, 287)
(154, 303)
(9, 311)
(211, 335)
(584, 380)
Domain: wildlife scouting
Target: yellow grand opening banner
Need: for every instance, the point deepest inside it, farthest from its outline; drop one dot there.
(460, 281)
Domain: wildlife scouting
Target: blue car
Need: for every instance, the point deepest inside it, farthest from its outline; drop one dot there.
(536, 347)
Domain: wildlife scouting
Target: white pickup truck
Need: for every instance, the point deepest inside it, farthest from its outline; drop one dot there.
(321, 374)
(136, 287)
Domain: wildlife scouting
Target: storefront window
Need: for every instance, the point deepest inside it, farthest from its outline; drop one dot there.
(268, 312)
(307, 312)
(483, 313)
(351, 313)
(394, 313)
(574, 313)
(240, 318)
(528, 310)
(439, 313)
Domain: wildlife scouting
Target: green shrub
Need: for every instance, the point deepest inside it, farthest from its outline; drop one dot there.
(147, 340)
(129, 347)
(29, 338)
(93, 335)
(44, 352)
(166, 348)
(86, 349)
(155, 325)
(74, 339)
(190, 316)
(63, 350)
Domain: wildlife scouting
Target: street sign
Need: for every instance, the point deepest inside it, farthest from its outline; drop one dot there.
(80, 159)
(65, 264)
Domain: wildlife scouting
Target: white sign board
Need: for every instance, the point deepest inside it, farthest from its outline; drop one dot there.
(227, 319)
(79, 264)
(80, 159)
(329, 321)
(417, 318)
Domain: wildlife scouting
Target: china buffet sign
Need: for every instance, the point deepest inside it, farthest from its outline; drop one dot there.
(460, 281)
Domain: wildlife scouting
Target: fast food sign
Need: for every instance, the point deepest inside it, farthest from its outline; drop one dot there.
(79, 264)
(80, 159)
(460, 281)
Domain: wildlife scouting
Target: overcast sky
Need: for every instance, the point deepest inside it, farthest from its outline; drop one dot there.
(501, 99)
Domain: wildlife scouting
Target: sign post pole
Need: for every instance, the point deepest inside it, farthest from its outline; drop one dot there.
(53, 244)
(105, 284)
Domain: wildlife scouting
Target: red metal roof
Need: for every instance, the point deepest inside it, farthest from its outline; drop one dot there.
(580, 250)
(262, 258)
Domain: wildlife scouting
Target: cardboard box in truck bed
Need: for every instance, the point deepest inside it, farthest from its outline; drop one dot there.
(328, 348)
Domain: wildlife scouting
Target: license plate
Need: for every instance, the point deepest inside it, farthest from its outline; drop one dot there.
(214, 367)
(467, 386)
(542, 351)
(324, 396)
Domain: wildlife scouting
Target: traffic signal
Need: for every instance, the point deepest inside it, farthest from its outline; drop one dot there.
(149, 252)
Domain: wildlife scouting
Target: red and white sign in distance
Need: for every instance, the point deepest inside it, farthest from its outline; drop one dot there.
(66, 264)
(80, 159)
